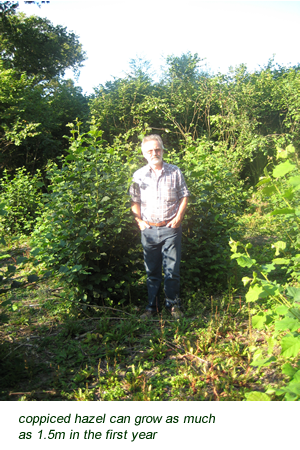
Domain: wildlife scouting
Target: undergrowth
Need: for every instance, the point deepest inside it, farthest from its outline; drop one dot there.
(53, 350)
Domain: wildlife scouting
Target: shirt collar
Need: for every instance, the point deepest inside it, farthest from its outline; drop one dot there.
(162, 169)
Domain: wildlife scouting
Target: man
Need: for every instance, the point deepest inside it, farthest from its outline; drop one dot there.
(159, 199)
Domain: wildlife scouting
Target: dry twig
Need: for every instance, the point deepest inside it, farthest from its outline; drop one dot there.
(191, 354)
(107, 307)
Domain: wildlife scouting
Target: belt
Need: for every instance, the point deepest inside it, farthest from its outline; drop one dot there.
(159, 224)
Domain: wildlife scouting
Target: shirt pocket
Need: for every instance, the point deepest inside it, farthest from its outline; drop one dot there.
(171, 196)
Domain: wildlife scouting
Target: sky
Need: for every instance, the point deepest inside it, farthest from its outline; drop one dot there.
(224, 33)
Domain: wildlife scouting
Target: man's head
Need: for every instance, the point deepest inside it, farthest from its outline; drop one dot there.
(153, 149)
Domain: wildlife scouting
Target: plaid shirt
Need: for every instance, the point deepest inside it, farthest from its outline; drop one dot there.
(159, 197)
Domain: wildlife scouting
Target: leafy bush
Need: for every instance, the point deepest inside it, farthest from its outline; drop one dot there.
(86, 231)
(284, 185)
(278, 303)
(217, 197)
(21, 199)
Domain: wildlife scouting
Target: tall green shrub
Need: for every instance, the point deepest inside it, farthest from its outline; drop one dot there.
(21, 199)
(86, 232)
(217, 198)
(277, 302)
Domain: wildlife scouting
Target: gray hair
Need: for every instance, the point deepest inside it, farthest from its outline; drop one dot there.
(153, 137)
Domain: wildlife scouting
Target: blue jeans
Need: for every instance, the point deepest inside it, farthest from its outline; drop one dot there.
(162, 249)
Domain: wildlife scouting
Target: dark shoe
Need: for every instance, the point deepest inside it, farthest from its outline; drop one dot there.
(176, 303)
(148, 314)
(176, 313)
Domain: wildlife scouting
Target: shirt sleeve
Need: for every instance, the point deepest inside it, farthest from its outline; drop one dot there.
(182, 190)
(134, 191)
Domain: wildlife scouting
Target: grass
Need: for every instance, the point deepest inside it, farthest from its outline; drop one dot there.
(54, 349)
(50, 352)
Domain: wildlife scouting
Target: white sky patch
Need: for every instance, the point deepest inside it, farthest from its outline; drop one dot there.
(226, 33)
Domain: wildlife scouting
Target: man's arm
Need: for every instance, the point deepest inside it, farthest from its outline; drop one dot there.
(175, 223)
(136, 210)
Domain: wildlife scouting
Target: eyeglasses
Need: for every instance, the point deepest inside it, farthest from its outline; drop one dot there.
(154, 150)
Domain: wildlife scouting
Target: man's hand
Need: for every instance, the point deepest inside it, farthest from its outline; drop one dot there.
(142, 224)
(175, 223)
(136, 209)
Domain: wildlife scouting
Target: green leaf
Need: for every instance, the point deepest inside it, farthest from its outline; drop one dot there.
(245, 261)
(255, 292)
(282, 310)
(282, 211)
(281, 154)
(234, 245)
(287, 369)
(78, 208)
(76, 268)
(246, 280)
(294, 313)
(269, 190)
(263, 181)
(282, 169)
(271, 288)
(5, 303)
(294, 181)
(259, 320)
(35, 251)
(5, 256)
(281, 261)
(256, 396)
(296, 377)
(47, 274)
(290, 149)
(288, 323)
(270, 390)
(294, 293)
(267, 268)
(21, 259)
(288, 194)
(291, 391)
(11, 268)
(279, 245)
(290, 346)
(16, 284)
(263, 362)
(32, 278)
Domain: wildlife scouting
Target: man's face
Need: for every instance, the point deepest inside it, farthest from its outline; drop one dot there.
(153, 153)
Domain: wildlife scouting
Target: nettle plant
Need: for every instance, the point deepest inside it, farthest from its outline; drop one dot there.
(86, 232)
(279, 303)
